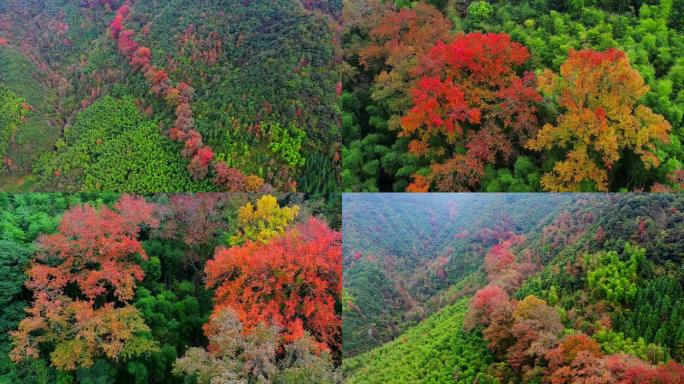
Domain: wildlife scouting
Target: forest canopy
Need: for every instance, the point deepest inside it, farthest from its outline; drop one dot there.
(512, 96)
(220, 95)
(109, 288)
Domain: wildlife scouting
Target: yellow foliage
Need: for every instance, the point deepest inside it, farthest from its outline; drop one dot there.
(264, 222)
(599, 92)
(528, 307)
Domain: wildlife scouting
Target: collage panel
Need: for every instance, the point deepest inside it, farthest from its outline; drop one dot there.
(512, 96)
(169, 288)
(145, 96)
(513, 288)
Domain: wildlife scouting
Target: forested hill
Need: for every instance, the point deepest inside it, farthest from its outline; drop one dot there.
(412, 249)
(226, 94)
(599, 277)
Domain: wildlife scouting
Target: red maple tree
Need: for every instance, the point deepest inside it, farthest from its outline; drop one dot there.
(293, 281)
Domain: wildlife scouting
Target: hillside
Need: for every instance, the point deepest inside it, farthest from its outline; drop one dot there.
(601, 274)
(238, 94)
(434, 351)
(412, 253)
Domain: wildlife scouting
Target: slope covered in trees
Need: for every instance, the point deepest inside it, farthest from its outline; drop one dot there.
(108, 288)
(588, 292)
(411, 254)
(248, 89)
(488, 95)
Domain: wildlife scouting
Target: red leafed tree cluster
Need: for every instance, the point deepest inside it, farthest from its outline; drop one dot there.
(195, 219)
(201, 156)
(470, 94)
(502, 268)
(579, 359)
(527, 335)
(293, 281)
(82, 279)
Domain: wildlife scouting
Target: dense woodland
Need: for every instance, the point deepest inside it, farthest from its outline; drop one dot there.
(519, 96)
(169, 96)
(533, 288)
(196, 288)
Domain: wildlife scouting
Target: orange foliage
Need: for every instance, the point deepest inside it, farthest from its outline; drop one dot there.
(293, 281)
(599, 92)
(82, 279)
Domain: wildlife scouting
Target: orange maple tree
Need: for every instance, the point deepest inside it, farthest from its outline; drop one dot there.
(396, 40)
(469, 95)
(294, 282)
(82, 278)
(599, 92)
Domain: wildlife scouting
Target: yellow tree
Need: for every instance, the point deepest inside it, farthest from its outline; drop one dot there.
(599, 92)
(260, 224)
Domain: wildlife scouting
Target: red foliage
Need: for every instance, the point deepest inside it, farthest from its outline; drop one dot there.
(199, 165)
(195, 219)
(141, 59)
(95, 249)
(184, 120)
(498, 259)
(116, 26)
(471, 84)
(403, 34)
(586, 368)
(485, 301)
(186, 92)
(159, 80)
(126, 43)
(568, 350)
(630, 370)
(294, 282)
(228, 179)
(193, 143)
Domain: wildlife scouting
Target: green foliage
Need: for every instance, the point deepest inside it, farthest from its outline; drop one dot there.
(10, 117)
(524, 178)
(657, 313)
(34, 136)
(112, 148)
(286, 143)
(435, 351)
(612, 278)
(480, 11)
(615, 342)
